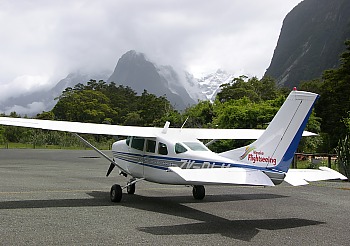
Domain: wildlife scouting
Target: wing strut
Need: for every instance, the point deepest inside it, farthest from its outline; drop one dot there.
(211, 142)
(100, 152)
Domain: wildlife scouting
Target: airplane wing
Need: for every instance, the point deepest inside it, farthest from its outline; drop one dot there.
(104, 129)
(232, 175)
(298, 177)
(78, 127)
(206, 133)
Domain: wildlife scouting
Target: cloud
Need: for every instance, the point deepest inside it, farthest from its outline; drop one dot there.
(48, 39)
(29, 110)
(23, 85)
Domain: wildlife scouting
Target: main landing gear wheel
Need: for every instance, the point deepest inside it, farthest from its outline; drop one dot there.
(131, 189)
(198, 192)
(116, 193)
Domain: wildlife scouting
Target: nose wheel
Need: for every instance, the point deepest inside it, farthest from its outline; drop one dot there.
(116, 193)
(116, 190)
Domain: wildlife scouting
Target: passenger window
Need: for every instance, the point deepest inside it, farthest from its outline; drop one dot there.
(151, 146)
(162, 149)
(137, 143)
(179, 148)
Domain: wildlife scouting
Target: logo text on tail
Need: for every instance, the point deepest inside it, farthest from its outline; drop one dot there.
(257, 156)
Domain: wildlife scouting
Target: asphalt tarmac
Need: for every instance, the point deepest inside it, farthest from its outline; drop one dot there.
(61, 197)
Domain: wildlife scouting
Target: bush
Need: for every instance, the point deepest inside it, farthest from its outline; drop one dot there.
(343, 151)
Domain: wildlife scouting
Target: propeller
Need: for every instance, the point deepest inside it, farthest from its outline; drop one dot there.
(110, 169)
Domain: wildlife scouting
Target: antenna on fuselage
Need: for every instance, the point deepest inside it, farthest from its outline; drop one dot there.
(166, 126)
(184, 122)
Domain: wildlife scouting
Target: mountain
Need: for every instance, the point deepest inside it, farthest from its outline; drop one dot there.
(136, 71)
(311, 41)
(206, 87)
(210, 84)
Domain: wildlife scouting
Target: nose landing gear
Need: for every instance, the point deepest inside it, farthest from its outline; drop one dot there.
(116, 193)
(116, 190)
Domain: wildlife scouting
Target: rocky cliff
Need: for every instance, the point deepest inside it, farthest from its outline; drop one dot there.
(311, 40)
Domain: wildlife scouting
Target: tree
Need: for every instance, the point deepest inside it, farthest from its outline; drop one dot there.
(122, 99)
(237, 89)
(49, 115)
(244, 113)
(343, 152)
(99, 101)
(2, 135)
(14, 133)
(311, 86)
(84, 106)
(152, 108)
(343, 149)
(133, 119)
(334, 103)
(254, 89)
(199, 115)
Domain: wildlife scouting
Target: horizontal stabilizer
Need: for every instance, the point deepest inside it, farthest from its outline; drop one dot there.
(298, 177)
(233, 175)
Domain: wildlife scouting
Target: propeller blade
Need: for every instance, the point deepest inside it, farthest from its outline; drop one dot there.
(110, 169)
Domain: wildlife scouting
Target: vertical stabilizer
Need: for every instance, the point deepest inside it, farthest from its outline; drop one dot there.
(276, 146)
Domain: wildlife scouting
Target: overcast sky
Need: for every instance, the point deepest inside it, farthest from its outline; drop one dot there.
(44, 40)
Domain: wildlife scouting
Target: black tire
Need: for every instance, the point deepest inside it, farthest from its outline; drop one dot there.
(116, 193)
(198, 192)
(131, 189)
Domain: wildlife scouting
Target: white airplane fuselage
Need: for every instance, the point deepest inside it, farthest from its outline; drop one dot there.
(152, 163)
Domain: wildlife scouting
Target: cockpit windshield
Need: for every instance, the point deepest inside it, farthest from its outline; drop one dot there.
(179, 148)
(195, 146)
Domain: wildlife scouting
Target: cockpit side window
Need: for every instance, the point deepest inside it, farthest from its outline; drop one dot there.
(179, 148)
(137, 143)
(150, 146)
(162, 148)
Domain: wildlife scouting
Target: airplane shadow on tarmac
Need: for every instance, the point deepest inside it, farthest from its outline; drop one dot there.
(208, 223)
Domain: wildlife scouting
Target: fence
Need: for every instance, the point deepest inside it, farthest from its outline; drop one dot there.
(315, 158)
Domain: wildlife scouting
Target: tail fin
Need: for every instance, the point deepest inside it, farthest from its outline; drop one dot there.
(276, 146)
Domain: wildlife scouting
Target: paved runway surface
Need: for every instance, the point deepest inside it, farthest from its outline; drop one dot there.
(61, 197)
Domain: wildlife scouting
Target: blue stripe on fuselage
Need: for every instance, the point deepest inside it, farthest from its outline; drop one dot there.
(195, 163)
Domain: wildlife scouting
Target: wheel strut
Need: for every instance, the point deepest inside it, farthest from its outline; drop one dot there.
(130, 188)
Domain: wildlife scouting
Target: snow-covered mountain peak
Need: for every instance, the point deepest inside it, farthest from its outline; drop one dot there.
(209, 84)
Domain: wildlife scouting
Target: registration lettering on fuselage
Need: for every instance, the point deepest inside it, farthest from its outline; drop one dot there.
(191, 164)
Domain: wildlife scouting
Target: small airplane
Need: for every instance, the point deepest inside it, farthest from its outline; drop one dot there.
(177, 156)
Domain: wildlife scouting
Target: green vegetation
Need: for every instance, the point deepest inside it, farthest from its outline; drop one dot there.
(343, 152)
(333, 107)
(243, 103)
